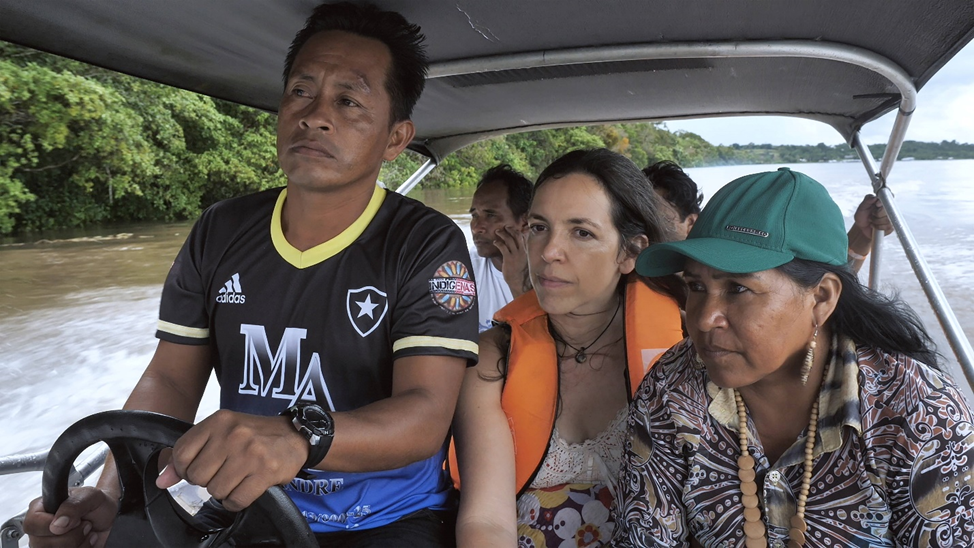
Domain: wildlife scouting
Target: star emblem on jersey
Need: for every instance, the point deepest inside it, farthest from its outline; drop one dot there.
(366, 306)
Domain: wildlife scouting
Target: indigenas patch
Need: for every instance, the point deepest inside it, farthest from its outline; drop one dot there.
(452, 289)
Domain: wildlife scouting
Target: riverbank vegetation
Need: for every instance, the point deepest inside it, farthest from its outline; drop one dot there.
(83, 146)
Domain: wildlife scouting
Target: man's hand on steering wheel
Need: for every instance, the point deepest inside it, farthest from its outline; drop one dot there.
(84, 519)
(142, 514)
(237, 456)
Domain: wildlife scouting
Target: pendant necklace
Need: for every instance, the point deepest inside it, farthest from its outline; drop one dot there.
(580, 355)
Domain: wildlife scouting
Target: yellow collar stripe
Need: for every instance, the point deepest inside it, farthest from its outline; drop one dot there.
(326, 250)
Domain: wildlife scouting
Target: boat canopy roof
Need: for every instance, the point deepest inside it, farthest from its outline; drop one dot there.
(512, 65)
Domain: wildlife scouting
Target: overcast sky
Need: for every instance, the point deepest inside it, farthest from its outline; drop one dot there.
(945, 111)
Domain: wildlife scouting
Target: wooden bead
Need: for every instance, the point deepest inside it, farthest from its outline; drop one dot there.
(752, 514)
(754, 529)
(798, 523)
(793, 544)
(796, 536)
(746, 475)
(756, 542)
(750, 501)
(749, 488)
(745, 462)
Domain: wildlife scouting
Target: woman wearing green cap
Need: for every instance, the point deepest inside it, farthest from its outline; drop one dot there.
(804, 409)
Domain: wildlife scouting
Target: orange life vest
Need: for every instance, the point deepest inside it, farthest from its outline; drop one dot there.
(530, 394)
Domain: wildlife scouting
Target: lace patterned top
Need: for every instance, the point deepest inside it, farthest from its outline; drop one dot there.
(595, 460)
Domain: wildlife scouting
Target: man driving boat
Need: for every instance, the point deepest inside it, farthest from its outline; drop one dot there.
(339, 317)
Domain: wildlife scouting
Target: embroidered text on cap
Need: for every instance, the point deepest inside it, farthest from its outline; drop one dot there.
(746, 230)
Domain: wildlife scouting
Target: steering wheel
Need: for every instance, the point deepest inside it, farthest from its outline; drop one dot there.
(148, 516)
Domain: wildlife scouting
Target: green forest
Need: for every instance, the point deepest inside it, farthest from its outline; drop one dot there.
(82, 146)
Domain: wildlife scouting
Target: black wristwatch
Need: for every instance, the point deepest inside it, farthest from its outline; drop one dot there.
(316, 425)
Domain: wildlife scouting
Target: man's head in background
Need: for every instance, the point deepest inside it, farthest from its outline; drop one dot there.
(502, 199)
(679, 192)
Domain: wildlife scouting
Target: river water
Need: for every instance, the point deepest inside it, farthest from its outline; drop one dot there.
(78, 309)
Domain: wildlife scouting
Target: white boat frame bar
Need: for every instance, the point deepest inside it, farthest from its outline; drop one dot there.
(842, 53)
(878, 181)
(417, 176)
(807, 49)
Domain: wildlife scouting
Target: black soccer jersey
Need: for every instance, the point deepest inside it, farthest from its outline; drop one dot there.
(325, 325)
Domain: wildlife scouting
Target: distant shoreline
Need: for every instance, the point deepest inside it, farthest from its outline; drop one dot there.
(822, 153)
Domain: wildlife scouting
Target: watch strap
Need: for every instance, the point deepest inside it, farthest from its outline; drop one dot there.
(318, 442)
(317, 452)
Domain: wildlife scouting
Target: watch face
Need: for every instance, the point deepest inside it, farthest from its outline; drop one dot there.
(318, 420)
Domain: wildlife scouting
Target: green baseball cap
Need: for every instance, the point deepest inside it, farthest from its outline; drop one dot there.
(758, 222)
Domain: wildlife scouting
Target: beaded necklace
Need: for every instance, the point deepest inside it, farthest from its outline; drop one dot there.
(754, 531)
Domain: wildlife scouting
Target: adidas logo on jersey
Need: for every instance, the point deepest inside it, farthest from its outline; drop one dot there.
(231, 293)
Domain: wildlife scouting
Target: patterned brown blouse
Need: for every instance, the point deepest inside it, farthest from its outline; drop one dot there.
(893, 460)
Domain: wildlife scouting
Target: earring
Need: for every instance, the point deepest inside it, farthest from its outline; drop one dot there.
(809, 356)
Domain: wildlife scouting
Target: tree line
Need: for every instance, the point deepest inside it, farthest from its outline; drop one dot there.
(83, 146)
(911, 150)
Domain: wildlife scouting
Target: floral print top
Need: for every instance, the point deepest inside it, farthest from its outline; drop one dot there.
(892, 462)
(569, 500)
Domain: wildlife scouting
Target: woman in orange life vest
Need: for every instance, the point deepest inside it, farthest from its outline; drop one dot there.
(541, 419)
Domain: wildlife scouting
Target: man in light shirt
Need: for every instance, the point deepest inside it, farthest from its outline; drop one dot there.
(498, 218)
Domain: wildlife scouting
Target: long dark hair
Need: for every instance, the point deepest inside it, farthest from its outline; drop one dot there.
(635, 205)
(867, 316)
(635, 211)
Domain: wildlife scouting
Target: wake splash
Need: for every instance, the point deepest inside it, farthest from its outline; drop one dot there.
(65, 363)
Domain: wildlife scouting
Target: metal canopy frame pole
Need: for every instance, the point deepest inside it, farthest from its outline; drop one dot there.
(877, 182)
(842, 53)
(951, 326)
(416, 177)
(948, 321)
(810, 49)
